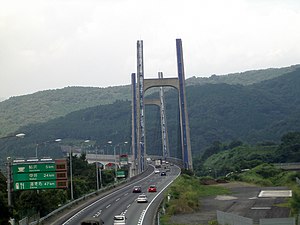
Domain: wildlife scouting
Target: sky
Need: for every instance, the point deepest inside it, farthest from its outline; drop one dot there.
(51, 44)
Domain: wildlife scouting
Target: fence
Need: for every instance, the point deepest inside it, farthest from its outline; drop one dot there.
(278, 221)
(232, 219)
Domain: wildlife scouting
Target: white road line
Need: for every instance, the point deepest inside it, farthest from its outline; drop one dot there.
(106, 196)
(117, 199)
(108, 206)
(145, 211)
(141, 218)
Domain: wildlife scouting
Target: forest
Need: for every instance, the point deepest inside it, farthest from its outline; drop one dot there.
(233, 127)
(261, 112)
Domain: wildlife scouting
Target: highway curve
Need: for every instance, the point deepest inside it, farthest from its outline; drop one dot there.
(123, 201)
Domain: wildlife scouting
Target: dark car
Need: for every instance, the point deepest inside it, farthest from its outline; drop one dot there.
(92, 221)
(137, 189)
(163, 173)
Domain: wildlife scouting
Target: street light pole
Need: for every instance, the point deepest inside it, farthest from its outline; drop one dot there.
(9, 162)
(115, 156)
(37, 145)
(9, 181)
(97, 170)
(71, 173)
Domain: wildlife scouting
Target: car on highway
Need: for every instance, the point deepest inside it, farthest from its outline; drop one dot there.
(142, 199)
(163, 173)
(92, 221)
(137, 189)
(152, 188)
(156, 171)
(120, 220)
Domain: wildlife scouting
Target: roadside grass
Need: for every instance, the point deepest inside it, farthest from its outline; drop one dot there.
(186, 191)
(268, 175)
(184, 195)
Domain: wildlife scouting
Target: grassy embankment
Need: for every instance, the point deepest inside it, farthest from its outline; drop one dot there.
(185, 193)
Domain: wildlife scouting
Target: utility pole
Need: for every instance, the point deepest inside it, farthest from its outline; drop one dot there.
(9, 181)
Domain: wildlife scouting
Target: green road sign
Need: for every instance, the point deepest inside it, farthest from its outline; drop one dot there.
(120, 173)
(39, 175)
(32, 185)
(34, 176)
(31, 168)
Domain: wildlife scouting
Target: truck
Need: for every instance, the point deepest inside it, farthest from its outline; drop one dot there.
(157, 163)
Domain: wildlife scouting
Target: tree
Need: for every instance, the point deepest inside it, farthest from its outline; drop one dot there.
(5, 213)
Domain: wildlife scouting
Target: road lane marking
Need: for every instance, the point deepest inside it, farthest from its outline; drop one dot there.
(143, 213)
(108, 206)
(141, 218)
(117, 199)
(106, 196)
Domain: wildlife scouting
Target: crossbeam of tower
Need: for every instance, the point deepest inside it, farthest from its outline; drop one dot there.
(138, 130)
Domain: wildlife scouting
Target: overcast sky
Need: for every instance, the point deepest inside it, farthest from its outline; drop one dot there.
(49, 44)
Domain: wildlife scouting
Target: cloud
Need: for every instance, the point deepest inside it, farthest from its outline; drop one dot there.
(48, 44)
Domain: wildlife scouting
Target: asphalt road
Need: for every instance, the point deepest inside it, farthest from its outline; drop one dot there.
(123, 201)
(243, 201)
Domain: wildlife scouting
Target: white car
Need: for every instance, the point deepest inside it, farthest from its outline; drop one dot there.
(142, 199)
(156, 171)
(120, 220)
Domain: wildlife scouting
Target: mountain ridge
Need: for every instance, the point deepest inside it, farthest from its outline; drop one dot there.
(43, 106)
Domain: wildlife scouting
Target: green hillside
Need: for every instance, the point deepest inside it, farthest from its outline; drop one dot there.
(49, 104)
(244, 78)
(46, 105)
(217, 112)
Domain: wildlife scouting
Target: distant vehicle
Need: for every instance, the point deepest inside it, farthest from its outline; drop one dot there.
(156, 171)
(137, 189)
(171, 164)
(163, 173)
(142, 199)
(92, 221)
(157, 163)
(152, 188)
(120, 220)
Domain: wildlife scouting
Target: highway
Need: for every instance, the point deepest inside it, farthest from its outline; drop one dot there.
(123, 201)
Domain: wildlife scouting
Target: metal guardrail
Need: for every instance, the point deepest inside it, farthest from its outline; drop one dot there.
(85, 197)
(288, 166)
(76, 201)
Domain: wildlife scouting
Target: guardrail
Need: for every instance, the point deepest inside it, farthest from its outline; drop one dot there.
(83, 198)
(288, 166)
(76, 201)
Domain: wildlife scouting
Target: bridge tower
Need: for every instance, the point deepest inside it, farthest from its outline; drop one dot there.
(139, 126)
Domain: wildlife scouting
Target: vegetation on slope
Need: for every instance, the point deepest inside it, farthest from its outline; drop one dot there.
(235, 157)
(222, 158)
(46, 105)
(29, 203)
(244, 78)
(49, 104)
(184, 194)
(217, 113)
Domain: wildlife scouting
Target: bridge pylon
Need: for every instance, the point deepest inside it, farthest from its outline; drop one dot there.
(139, 86)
